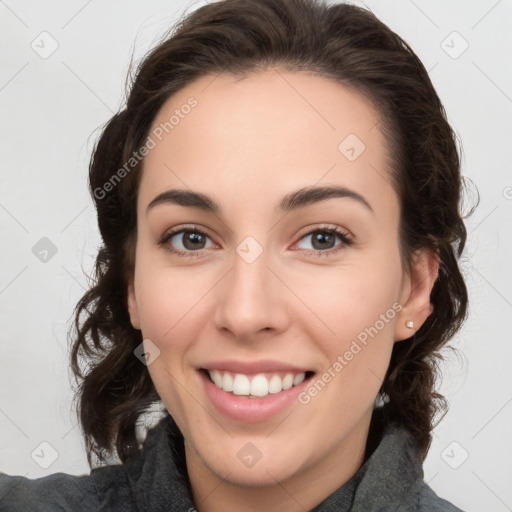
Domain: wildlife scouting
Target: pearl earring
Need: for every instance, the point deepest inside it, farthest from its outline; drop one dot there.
(409, 324)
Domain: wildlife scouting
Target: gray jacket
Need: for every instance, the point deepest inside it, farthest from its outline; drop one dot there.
(155, 480)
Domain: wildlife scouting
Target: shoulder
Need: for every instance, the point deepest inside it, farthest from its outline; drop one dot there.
(392, 478)
(429, 501)
(54, 492)
(103, 487)
(149, 479)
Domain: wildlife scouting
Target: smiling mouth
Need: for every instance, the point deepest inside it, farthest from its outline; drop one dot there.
(257, 385)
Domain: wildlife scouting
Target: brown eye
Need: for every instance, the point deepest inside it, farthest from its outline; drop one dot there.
(324, 240)
(191, 240)
(187, 241)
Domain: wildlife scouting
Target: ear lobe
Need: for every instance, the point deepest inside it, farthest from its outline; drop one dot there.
(131, 300)
(417, 307)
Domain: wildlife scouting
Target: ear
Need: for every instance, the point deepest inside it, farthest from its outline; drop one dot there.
(415, 293)
(133, 309)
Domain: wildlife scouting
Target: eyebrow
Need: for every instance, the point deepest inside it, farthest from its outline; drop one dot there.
(292, 201)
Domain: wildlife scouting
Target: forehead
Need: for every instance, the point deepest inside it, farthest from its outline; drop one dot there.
(262, 135)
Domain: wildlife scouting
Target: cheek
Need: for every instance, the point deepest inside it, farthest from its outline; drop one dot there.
(350, 300)
(355, 312)
(172, 312)
(167, 299)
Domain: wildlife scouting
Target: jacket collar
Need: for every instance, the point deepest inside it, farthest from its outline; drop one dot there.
(389, 477)
(158, 475)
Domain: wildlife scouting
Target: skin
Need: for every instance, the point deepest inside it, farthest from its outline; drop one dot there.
(247, 144)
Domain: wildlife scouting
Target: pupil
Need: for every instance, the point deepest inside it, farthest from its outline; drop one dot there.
(193, 240)
(322, 238)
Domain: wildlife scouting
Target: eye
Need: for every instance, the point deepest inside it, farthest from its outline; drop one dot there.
(323, 240)
(187, 241)
(193, 241)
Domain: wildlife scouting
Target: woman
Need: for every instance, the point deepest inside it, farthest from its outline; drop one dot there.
(279, 206)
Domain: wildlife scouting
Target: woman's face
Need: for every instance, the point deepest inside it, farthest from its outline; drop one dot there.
(261, 279)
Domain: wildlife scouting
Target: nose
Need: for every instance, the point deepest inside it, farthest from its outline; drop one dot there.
(251, 301)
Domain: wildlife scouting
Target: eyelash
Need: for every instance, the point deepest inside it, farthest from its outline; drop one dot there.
(343, 235)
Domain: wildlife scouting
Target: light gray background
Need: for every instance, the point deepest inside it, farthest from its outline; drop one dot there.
(51, 109)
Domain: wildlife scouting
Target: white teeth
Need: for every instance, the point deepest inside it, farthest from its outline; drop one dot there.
(275, 385)
(241, 384)
(227, 382)
(217, 378)
(287, 381)
(258, 386)
(299, 378)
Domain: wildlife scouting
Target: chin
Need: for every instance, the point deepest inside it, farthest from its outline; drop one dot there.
(258, 476)
(230, 461)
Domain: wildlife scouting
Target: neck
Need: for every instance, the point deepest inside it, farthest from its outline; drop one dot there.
(304, 490)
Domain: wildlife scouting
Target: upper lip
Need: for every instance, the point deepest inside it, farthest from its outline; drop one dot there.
(249, 367)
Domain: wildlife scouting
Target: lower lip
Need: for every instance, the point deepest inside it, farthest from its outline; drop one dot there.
(250, 410)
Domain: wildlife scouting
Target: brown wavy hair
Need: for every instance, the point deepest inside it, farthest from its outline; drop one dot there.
(341, 42)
